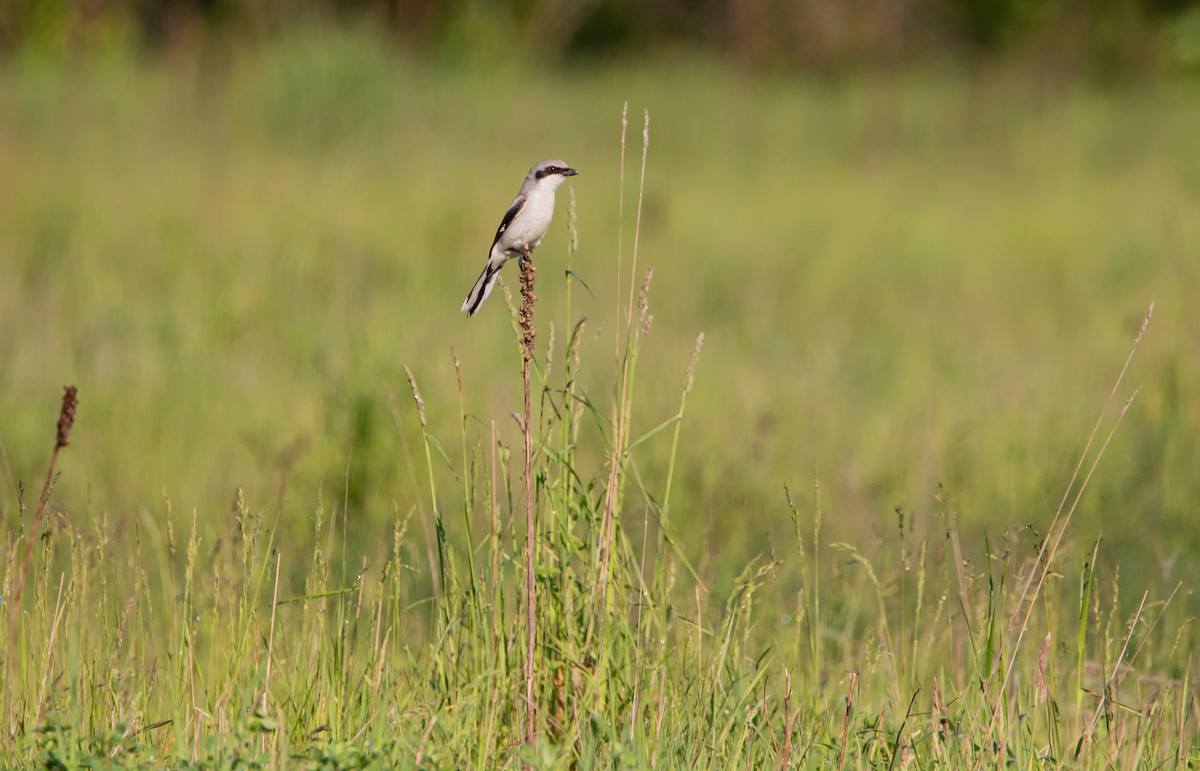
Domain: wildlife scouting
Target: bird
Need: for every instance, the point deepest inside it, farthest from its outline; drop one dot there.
(523, 227)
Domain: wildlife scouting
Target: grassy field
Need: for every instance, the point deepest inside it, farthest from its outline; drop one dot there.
(838, 545)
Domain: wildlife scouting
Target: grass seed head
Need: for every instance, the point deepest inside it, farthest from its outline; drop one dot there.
(689, 374)
(644, 302)
(412, 384)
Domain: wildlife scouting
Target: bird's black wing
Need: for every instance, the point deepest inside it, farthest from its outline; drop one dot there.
(517, 204)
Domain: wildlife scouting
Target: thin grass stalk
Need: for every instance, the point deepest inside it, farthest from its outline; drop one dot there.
(637, 224)
(439, 576)
(1062, 517)
(1106, 693)
(640, 645)
(271, 635)
(664, 523)
(814, 625)
(410, 465)
(846, 720)
(621, 216)
(566, 458)
(59, 609)
(889, 653)
(475, 594)
(595, 622)
(496, 534)
(1182, 745)
(622, 409)
(785, 756)
(1085, 600)
(1107, 696)
(809, 602)
(689, 376)
(1053, 550)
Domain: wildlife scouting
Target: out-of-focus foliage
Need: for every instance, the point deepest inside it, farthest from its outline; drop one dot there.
(1104, 37)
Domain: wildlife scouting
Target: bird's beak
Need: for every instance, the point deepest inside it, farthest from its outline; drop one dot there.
(569, 172)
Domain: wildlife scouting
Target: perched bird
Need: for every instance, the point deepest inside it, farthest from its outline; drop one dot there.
(523, 227)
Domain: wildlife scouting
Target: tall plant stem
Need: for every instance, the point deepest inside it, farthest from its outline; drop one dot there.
(62, 437)
(528, 298)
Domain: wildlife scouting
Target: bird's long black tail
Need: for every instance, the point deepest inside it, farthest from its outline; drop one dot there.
(482, 288)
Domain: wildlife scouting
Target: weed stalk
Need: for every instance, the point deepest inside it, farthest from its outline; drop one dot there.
(528, 336)
(62, 437)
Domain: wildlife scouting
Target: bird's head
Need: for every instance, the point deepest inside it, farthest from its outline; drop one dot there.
(552, 171)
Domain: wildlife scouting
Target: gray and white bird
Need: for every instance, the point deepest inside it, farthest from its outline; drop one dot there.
(523, 227)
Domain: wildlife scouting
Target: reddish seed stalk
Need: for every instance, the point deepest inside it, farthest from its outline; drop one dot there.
(62, 437)
(528, 298)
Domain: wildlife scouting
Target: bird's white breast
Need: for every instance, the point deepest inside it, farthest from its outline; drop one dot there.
(531, 223)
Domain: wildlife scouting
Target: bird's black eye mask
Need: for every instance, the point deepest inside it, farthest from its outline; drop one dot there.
(548, 171)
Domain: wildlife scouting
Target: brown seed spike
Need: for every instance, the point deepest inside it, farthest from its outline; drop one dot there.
(66, 416)
(528, 299)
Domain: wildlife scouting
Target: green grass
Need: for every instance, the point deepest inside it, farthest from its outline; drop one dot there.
(915, 294)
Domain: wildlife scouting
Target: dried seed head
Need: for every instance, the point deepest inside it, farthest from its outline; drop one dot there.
(690, 373)
(1043, 661)
(1145, 323)
(572, 231)
(66, 416)
(644, 302)
(573, 344)
(412, 384)
(938, 704)
(548, 367)
(528, 299)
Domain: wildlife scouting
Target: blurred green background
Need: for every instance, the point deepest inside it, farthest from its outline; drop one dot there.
(919, 237)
